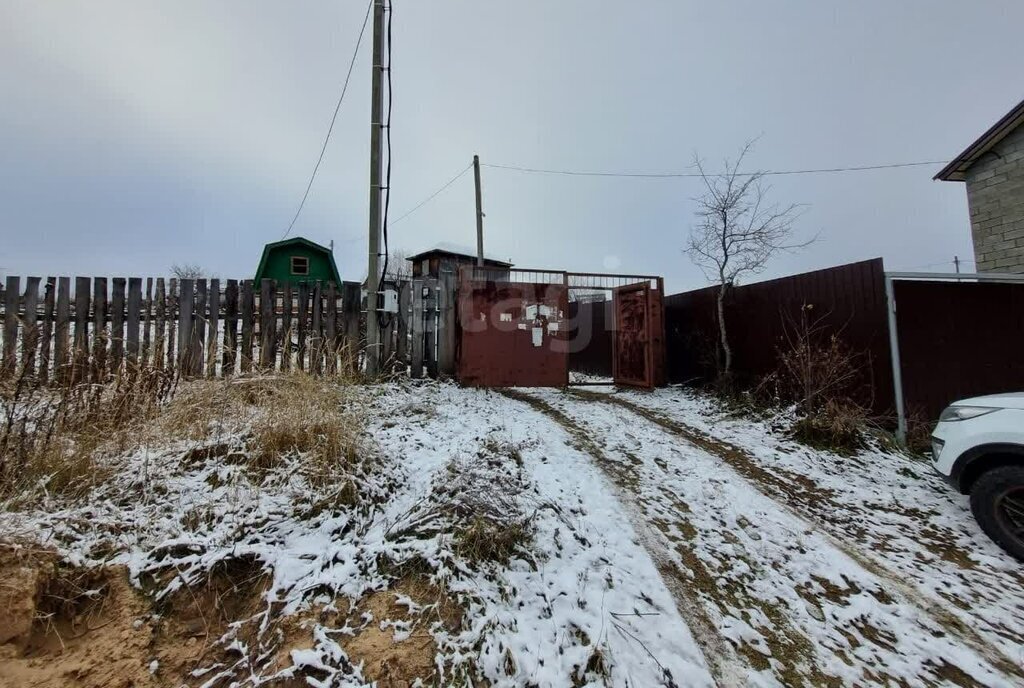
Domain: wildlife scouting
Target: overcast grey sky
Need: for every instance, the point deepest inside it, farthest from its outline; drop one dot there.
(135, 134)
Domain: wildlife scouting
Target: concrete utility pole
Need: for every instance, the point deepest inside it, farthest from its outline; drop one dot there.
(479, 214)
(376, 124)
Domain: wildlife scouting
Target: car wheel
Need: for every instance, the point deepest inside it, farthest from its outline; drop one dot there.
(997, 500)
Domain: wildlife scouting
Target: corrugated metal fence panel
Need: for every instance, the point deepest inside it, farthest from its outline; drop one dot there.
(848, 300)
(513, 334)
(958, 340)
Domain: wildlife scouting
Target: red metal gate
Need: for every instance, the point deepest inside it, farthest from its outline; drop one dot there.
(638, 342)
(513, 328)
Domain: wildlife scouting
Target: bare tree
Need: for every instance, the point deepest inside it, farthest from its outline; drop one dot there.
(188, 271)
(737, 232)
(399, 266)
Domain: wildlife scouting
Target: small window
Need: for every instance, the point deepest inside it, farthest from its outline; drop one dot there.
(300, 265)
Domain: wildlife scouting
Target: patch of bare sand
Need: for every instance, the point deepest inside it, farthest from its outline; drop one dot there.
(398, 663)
(65, 626)
(62, 625)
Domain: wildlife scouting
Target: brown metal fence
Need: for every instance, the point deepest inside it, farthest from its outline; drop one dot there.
(958, 335)
(958, 340)
(848, 300)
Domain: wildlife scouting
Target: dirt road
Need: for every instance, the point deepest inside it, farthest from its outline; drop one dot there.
(785, 579)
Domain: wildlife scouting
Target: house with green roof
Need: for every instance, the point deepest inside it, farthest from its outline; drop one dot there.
(297, 260)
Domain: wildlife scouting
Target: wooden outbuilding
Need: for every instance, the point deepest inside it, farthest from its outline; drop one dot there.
(297, 260)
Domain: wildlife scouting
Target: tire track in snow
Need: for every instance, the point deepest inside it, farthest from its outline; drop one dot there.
(800, 600)
(891, 509)
(725, 665)
(587, 605)
(798, 490)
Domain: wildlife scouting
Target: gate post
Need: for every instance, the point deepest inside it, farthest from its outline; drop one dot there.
(894, 357)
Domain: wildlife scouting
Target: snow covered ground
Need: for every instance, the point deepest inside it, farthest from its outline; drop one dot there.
(790, 567)
(662, 543)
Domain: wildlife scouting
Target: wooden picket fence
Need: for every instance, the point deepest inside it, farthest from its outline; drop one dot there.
(66, 330)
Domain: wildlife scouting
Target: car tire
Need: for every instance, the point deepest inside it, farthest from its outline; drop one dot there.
(995, 497)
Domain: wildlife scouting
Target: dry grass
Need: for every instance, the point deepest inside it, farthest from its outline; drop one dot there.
(64, 440)
(54, 439)
(482, 497)
(291, 414)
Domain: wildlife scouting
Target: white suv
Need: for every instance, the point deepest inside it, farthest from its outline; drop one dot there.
(978, 446)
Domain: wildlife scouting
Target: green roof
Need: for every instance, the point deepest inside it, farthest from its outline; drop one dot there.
(272, 247)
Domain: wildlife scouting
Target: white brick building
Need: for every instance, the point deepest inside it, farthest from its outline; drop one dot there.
(993, 168)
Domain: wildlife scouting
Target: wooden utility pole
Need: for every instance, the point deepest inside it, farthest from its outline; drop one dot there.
(373, 262)
(479, 214)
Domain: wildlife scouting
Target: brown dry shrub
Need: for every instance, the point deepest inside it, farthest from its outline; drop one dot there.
(819, 373)
(490, 539)
(919, 431)
(837, 425)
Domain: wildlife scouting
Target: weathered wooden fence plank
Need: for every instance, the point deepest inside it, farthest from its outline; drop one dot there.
(268, 325)
(186, 317)
(83, 286)
(116, 323)
(213, 325)
(61, 330)
(133, 322)
(230, 353)
(302, 324)
(331, 329)
(100, 337)
(29, 326)
(286, 326)
(46, 329)
(172, 317)
(12, 292)
(351, 309)
(147, 323)
(160, 313)
(248, 312)
(316, 331)
(198, 355)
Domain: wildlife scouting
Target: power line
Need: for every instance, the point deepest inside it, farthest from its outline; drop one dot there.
(651, 175)
(669, 175)
(935, 265)
(431, 197)
(334, 117)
